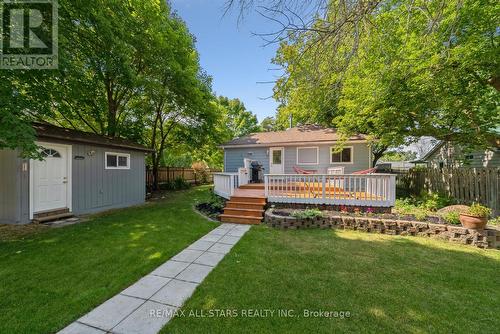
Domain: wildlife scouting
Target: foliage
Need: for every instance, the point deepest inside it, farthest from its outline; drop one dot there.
(177, 184)
(237, 120)
(201, 170)
(395, 70)
(452, 217)
(307, 214)
(398, 156)
(478, 210)
(494, 221)
(269, 124)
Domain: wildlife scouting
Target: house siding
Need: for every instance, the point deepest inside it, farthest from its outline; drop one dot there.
(452, 155)
(234, 158)
(96, 188)
(14, 187)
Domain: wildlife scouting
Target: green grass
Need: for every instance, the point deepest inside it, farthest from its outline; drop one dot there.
(50, 277)
(388, 284)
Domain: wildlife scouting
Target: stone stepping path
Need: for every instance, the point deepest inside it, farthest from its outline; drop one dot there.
(146, 306)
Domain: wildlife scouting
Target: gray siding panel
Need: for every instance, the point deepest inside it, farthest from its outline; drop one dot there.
(96, 188)
(14, 188)
(234, 158)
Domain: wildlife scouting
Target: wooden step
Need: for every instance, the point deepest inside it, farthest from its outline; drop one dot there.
(244, 205)
(48, 213)
(59, 216)
(244, 212)
(235, 219)
(252, 186)
(258, 200)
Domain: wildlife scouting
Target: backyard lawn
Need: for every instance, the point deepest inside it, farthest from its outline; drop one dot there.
(387, 283)
(50, 277)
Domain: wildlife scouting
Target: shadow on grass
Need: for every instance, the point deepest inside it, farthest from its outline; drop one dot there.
(387, 283)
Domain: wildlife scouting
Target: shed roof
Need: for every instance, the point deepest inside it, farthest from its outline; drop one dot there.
(298, 134)
(49, 131)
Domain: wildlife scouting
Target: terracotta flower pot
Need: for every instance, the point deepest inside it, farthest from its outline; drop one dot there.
(473, 222)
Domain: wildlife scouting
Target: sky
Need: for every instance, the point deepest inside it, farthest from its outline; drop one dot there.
(229, 51)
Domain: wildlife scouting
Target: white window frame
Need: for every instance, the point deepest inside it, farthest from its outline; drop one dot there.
(126, 155)
(308, 163)
(342, 162)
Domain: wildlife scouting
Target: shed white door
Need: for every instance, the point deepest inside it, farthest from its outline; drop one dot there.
(50, 179)
(276, 160)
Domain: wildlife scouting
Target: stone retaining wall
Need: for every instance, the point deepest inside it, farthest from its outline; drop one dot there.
(488, 238)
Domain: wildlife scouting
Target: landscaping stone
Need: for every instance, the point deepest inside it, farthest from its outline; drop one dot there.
(201, 245)
(146, 287)
(142, 321)
(209, 259)
(187, 255)
(220, 248)
(78, 328)
(488, 238)
(227, 239)
(195, 273)
(175, 292)
(170, 269)
(112, 312)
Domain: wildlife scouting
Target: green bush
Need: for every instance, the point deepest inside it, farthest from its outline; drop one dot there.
(494, 221)
(478, 210)
(180, 183)
(308, 213)
(452, 217)
(435, 201)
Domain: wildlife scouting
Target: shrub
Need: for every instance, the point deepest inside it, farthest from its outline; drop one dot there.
(201, 171)
(308, 213)
(434, 201)
(494, 221)
(452, 217)
(180, 183)
(478, 210)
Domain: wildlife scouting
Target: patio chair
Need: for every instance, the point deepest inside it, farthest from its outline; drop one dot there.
(299, 170)
(366, 171)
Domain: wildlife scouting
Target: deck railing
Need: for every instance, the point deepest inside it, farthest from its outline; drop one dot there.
(378, 190)
(225, 183)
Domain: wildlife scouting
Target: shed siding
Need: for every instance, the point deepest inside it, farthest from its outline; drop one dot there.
(454, 156)
(96, 188)
(234, 158)
(14, 188)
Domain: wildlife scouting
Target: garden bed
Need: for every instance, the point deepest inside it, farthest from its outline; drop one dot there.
(383, 223)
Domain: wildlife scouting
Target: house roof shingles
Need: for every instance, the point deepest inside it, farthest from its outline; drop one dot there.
(49, 131)
(299, 134)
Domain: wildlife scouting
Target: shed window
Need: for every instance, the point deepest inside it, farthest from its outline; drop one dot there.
(345, 156)
(117, 160)
(307, 155)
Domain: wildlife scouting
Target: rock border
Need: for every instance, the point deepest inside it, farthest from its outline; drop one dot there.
(487, 238)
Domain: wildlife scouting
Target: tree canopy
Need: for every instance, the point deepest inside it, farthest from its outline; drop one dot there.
(395, 70)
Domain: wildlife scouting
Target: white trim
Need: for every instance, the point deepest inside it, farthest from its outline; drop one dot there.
(341, 162)
(296, 143)
(307, 163)
(282, 157)
(117, 155)
(69, 183)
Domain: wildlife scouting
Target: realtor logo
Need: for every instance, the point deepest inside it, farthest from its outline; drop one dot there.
(28, 34)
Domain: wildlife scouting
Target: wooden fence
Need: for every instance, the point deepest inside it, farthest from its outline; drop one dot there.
(169, 174)
(466, 185)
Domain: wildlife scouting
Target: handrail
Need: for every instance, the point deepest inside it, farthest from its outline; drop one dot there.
(225, 183)
(334, 189)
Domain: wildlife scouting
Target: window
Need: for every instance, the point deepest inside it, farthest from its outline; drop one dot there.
(50, 153)
(343, 157)
(307, 155)
(117, 160)
(276, 157)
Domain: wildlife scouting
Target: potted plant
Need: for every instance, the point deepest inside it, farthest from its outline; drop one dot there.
(475, 217)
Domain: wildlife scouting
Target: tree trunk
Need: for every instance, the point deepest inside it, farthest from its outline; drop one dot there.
(377, 154)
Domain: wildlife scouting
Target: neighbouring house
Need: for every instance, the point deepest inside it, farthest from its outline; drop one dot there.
(299, 166)
(80, 173)
(445, 154)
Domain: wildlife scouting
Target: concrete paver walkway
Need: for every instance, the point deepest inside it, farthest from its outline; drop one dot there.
(147, 306)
